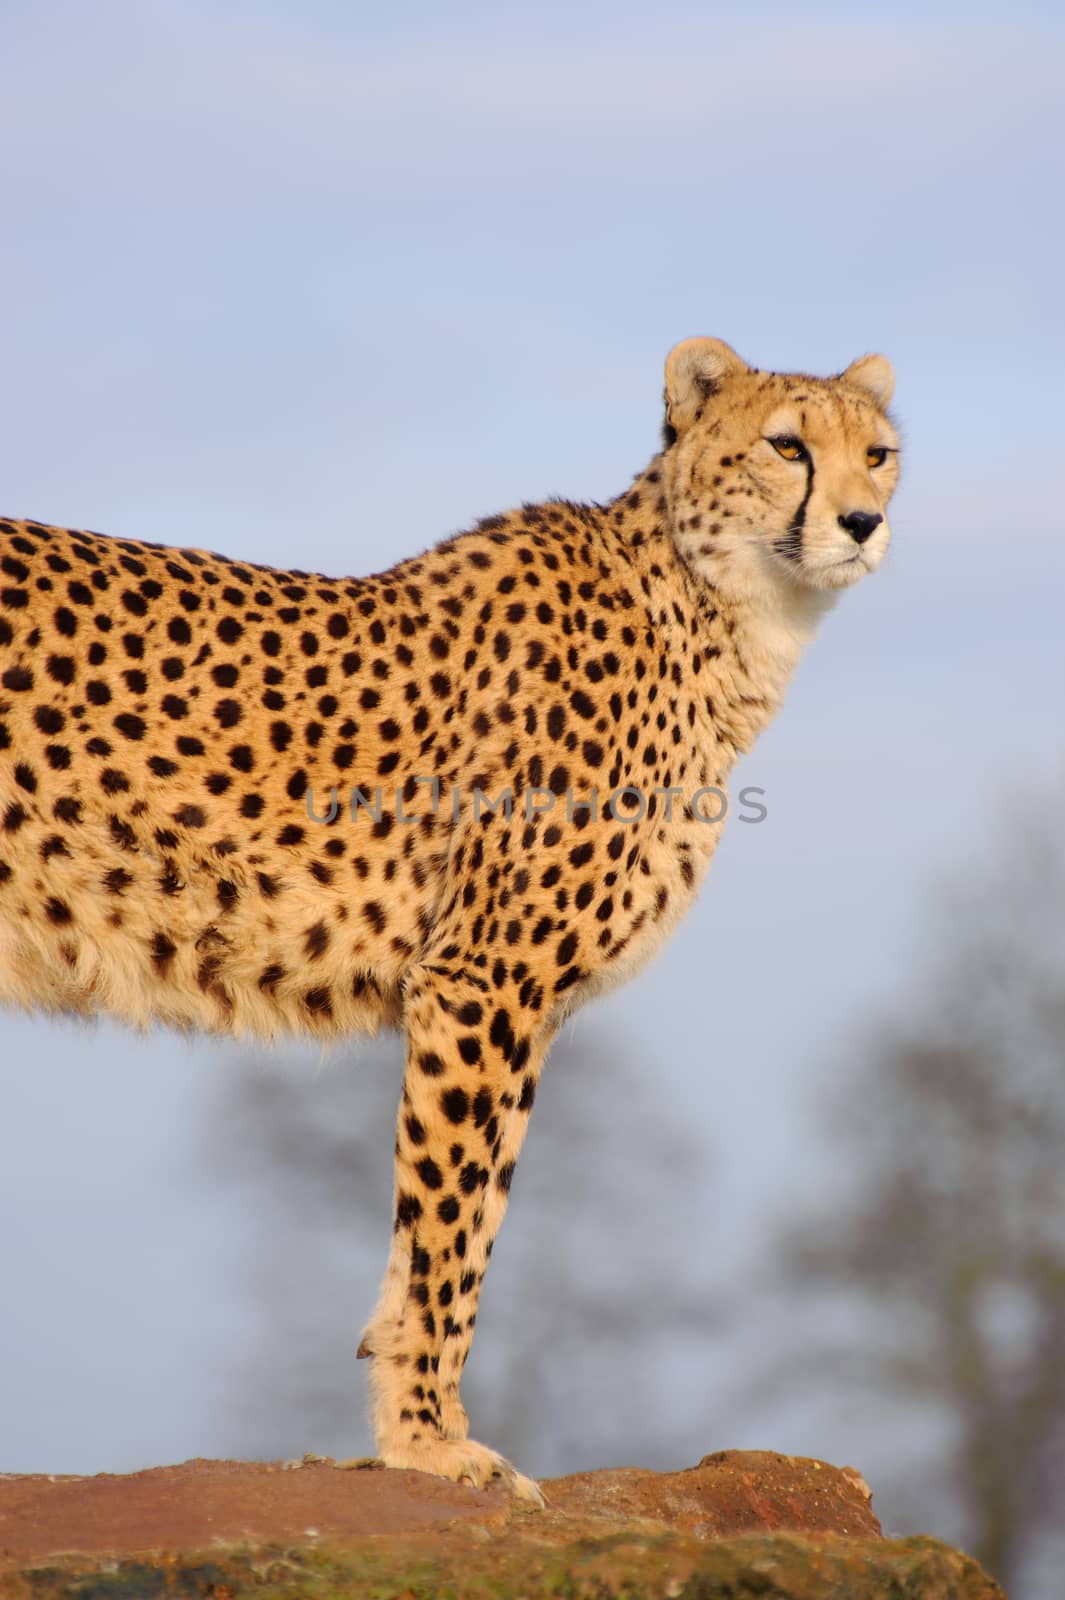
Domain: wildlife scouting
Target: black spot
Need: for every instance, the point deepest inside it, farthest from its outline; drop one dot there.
(483, 1106)
(502, 1034)
(14, 817)
(430, 1173)
(470, 1178)
(228, 712)
(60, 668)
(242, 758)
(122, 833)
(455, 1105)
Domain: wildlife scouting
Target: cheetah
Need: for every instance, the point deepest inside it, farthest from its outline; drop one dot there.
(458, 798)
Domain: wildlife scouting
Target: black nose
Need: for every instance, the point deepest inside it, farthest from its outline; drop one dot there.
(860, 524)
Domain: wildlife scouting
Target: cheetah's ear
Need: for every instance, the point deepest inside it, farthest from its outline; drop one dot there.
(875, 375)
(694, 371)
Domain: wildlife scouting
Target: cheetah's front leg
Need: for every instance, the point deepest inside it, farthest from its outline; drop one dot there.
(469, 1086)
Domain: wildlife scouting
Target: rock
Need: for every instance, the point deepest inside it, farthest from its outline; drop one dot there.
(739, 1524)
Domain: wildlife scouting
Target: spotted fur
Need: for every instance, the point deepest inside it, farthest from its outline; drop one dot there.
(172, 724)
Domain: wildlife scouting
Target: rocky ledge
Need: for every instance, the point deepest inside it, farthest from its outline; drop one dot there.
(739, 1524)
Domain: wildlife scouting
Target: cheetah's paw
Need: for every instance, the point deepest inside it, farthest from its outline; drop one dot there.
(463, 1461)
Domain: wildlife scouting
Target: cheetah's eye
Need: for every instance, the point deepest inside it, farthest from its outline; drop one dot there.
(786, 445)
(876, 455)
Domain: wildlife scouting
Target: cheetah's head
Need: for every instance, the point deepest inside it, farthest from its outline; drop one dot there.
(774, 478)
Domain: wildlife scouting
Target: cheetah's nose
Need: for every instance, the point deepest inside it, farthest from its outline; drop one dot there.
(860, 524)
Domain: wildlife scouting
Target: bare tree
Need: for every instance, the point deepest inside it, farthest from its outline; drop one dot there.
(953, 1236)
(593, 1296)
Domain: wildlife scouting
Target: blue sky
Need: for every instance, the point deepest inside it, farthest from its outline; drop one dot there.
(323, 283)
